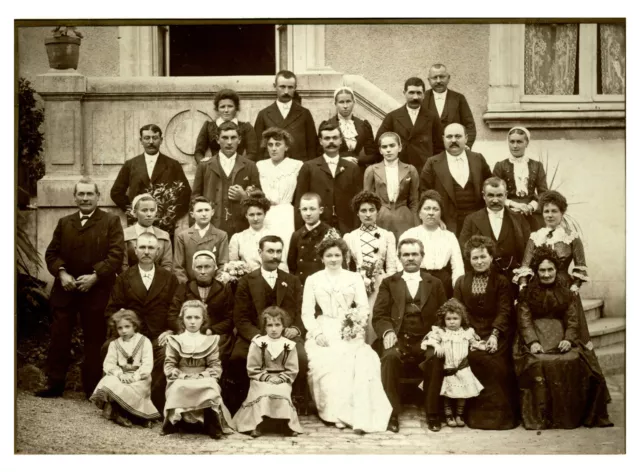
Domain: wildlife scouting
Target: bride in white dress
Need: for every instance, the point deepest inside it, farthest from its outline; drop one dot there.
(278, 179)
(344, 375)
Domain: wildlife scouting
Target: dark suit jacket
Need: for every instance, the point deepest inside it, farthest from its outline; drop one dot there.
(389, 308)
(152, 307)
(97, 246)
(336, 193)
(219, 307)
(208, 182)
(188, 242)
(299, 123)
(133, 180)
(456, 110)
(436, 175)
(535, 187)
(365, 150)
(207, 139)
(375, 180)
(419, 142)
(478, 223)
(250, 302)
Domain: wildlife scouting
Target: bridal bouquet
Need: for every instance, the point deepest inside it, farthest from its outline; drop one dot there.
(368, 270)
(354, 323)
(232, 271)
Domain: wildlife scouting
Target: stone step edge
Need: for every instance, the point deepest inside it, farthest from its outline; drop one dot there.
(616, 348)
(603, 326)
(591, 303)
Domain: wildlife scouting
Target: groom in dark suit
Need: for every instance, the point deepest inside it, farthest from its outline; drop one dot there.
(262, 288)
(403, 314)
(289, 115)
(510, 231)
(418, 127)
(148, 290)
(151, 168)
(457, 175)
(335, 179)
(84, 255)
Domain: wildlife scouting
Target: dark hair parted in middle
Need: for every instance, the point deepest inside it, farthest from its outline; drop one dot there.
(414, 82)
(277, 134)
(270, 238)
(274, 312)
(257, 199)
(365, 196)
(329, 243)
(478, 241)
(226, 94)
(328, 126)
(431, 195)
(555, 198)
(541, 254)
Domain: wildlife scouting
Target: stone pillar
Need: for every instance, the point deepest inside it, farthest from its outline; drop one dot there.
(138, 51)
(308, 50)
(505, 66)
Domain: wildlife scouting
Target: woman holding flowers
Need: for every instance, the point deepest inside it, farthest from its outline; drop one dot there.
(371, 248)
(344, 372)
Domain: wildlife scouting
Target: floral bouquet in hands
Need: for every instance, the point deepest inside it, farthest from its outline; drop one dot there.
(368, 270)
(232, 271)
(166, 197)
(354, 323)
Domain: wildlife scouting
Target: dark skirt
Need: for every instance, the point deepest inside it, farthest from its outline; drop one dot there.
(497, 405)
(397, 219)
(444, 275)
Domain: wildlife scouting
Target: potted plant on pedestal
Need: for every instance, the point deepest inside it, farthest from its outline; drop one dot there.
(63, 50)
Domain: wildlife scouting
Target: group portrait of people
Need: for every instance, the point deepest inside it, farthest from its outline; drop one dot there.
(329, 269)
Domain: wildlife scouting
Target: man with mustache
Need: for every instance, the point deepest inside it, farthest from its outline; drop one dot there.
(260, 289)
(510, 231)
(335, 179)
(419, 127)
(287, 113)
(451, 106)
(457, 175)
(150, 169)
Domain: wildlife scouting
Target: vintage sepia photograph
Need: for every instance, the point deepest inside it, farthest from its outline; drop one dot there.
(337, 236)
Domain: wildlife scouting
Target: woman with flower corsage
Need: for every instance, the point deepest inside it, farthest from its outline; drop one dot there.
(396, 183)
(442, 256)
(371, 249)
(344, 372)
(526, 179)
(272, 367)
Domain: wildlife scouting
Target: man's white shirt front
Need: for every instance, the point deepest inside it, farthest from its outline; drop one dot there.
(459, 167)
(412, 279)
(86, 217)
(439, 99)
(495, 219)
(147, 276)
(332, 162)
(284, 108)
(270, 276)
(227, 163)
(413, 113)
(150, 161)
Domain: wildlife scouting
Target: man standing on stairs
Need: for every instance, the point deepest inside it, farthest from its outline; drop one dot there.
(419, 127)
(289, 115)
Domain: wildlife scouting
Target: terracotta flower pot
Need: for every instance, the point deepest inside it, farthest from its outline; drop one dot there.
(63, 52)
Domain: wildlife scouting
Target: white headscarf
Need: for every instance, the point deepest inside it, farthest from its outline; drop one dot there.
(520, 164)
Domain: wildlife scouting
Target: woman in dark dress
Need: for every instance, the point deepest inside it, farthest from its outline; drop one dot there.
(559, 385)
(526, 179)
(227, 105)
(487, 296)
(357, 143)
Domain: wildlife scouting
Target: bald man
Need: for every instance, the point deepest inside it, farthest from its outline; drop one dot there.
(457, 175)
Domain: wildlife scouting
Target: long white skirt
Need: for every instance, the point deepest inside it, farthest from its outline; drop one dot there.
(279, 220)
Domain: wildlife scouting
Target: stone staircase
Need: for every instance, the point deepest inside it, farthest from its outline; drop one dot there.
(607, 336)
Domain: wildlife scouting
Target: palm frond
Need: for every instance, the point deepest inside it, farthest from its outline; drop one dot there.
(26, 253)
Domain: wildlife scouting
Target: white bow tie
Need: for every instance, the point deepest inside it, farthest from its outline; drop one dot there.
(411, 276)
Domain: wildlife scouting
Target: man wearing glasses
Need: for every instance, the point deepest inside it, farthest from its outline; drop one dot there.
(149, 170)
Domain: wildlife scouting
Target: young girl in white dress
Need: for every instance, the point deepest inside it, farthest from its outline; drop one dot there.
(124, 392)
(278, 179)
(193, 369)
(272, 366)
(452, 337)
(344, 372)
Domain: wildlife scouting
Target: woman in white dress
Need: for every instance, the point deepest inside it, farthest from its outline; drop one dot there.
(278, 178)
(344, 372)
(372, 250)
(442, 258)
(244, 245)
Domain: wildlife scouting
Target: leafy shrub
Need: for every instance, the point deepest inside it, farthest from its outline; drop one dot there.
(30, 162)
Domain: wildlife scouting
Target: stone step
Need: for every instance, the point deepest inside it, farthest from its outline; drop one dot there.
(592, 308)
(607, 331)
(611, 358)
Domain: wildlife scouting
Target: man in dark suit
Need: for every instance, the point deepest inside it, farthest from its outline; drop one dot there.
(450, 106)
(289, 115)
(150, 169)
(457, 175)
(403, 314)
(148, 290)
(264, 287)
(510, 231)
(418, 127)
(84, 255)
(225, 180)
(335, 179)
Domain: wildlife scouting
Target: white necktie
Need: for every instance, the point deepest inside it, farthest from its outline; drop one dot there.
(146, 279)
(496, 224)
(333, 164)
(412, 282)
(271, 279)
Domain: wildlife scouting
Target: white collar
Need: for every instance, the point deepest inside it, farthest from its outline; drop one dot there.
(442, 95)
(219, 121)
(413, 111)
(191, 339)
(496, 214)
(203, 230)
(141, 229)
(393, 165)
(132, 340)
(284, 105)
(314, 226)
(145, 272)
(519, 160)
(274, 346)
(254, 232)
(152, 157)
(232, 158)
(331, 160)
(269, 274)
(411, 275)
(462, 156)
(342, 118)
(88, 216)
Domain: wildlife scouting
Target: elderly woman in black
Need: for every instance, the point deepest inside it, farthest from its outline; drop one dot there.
(227, 105)
(487, 296)
(560, 387)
